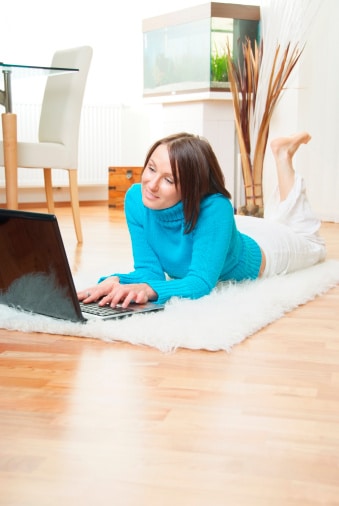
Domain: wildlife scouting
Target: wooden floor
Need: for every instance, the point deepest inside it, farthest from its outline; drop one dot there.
(83, 422)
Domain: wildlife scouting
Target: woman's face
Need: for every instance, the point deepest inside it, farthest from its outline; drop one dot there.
(158, 188)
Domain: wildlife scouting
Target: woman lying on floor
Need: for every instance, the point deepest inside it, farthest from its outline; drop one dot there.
(186, 238)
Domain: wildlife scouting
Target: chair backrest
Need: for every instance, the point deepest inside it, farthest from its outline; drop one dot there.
(63, 98)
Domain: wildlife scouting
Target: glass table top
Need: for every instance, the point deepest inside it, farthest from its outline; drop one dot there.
(9, 70)
(27, 70)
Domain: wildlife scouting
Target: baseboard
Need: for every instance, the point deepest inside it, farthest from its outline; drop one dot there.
(35, 196)
(58, 205)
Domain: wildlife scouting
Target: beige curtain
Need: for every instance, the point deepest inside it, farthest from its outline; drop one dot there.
(311, 102)
(318, 109)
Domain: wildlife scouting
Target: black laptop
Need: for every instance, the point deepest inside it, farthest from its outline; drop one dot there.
(35, 275)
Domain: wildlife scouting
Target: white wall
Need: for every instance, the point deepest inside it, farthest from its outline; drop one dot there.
(312, 103)
(319, 108)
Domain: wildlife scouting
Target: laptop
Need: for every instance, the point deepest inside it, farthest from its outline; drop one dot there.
(35, 275)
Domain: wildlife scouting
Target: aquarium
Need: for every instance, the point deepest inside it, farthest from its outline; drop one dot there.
(185, 51)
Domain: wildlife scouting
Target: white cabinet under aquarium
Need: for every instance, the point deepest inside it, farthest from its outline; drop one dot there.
(185, 51)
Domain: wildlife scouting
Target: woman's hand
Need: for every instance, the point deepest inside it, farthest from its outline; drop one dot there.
(111, 292)
(96, 292)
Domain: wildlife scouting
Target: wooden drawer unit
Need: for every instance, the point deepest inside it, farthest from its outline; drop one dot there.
(119, 180)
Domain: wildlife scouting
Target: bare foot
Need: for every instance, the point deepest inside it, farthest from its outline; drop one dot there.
(285, 147)
(283, 150)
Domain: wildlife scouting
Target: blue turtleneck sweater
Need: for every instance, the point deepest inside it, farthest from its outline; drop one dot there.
(187, 265)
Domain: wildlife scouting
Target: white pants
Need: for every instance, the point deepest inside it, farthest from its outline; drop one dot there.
(288, 234)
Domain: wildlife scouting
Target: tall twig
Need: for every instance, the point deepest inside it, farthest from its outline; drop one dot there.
(244, 82)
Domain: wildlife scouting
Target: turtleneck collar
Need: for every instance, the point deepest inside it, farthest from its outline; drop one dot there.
(171, 214)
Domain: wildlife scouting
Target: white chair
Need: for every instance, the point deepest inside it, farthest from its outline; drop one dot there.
(58, 137)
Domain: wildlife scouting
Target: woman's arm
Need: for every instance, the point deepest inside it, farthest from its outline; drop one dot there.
(146, 262)
(125, 288)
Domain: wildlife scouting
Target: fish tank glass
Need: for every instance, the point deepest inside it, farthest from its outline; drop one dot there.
(186, 51)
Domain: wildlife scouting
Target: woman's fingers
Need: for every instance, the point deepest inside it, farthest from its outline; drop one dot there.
(88, 295)
(96, 292)
(125, 295)
(113, 293)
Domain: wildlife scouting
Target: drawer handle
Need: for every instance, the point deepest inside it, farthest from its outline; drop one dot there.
(129, 174)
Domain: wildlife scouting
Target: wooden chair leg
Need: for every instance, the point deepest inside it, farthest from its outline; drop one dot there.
(73, 186)
(49, 190)
(9, 128)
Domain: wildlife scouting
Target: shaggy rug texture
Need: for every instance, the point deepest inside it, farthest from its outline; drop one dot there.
(230, 314)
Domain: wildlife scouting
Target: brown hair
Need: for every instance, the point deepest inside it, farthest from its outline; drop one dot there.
(196, 168)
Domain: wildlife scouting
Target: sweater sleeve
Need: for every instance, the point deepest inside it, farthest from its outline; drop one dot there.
(146, 263)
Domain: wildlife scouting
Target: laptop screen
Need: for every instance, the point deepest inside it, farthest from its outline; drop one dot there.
(34, 270)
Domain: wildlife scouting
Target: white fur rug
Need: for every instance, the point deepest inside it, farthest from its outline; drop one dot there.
(218, 321)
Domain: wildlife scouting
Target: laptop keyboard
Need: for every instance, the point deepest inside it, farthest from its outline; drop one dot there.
(93, 308)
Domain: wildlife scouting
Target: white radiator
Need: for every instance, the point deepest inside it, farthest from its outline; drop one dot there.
(100, 144)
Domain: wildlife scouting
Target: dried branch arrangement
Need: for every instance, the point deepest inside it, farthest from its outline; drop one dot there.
(245, 87)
